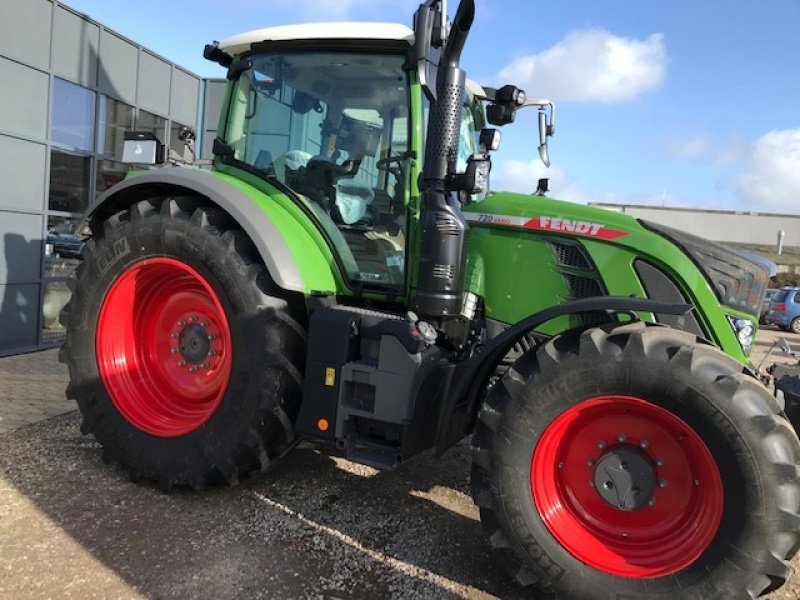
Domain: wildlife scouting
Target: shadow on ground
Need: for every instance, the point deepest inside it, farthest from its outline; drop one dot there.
(314, 526)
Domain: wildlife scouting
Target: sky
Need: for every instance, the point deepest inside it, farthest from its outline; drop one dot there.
(684, 103)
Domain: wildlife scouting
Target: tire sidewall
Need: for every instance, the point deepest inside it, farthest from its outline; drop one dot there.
(677, 391)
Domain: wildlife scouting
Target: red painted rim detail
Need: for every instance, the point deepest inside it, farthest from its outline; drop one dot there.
(655, 540)
(155, 310)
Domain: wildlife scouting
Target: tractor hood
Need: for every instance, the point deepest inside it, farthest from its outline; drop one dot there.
(529, 252)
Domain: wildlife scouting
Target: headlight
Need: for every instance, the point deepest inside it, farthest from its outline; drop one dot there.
(745, 331)
(737, 280)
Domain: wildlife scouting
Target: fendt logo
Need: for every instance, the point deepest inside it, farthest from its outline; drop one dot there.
(577, 227)
(585, 228)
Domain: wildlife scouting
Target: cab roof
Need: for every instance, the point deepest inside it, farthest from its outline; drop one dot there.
(318, 31)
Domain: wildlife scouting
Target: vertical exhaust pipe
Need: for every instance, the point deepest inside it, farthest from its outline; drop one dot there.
(444, 230)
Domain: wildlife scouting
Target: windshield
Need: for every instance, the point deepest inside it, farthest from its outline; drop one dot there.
(333, 127)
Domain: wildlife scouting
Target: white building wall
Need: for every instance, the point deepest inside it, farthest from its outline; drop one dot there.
(720, 226)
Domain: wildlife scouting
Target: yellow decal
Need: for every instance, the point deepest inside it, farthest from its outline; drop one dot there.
(330, 376)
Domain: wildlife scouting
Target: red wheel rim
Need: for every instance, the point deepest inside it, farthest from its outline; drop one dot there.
(163, 347)
(663, 536)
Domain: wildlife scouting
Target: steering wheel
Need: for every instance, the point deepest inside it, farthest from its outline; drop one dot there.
(383, 165)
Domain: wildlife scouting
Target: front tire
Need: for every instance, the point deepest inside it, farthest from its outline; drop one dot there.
(634, 462)
(185, 364)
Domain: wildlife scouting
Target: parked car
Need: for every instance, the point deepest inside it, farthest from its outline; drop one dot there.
(765, 304)
(784, 309)
(63, 245)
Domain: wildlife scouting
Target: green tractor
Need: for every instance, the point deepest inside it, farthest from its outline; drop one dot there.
(343, 274)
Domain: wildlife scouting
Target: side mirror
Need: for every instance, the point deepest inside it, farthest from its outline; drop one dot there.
(546, 129)
(142, 148)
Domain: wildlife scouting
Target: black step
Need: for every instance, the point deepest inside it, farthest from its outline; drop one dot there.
(378, 456)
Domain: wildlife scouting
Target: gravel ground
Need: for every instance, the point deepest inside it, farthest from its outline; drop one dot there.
(316, 526)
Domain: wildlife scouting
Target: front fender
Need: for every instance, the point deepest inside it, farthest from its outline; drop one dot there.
(472, 375)
(295, 260)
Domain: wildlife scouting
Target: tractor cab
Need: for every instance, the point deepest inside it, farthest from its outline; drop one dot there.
(330, 125)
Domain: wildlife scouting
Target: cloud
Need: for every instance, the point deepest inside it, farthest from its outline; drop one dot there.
(522, 176)
(591, 65)
(771, 172)
(689, 148)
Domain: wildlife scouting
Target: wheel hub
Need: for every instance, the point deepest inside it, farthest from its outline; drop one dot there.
(625, 478)
(194, 343)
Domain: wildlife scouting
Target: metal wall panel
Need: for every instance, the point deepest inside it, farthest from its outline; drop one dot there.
(22, 171)
(154, 84)
(21, 240)
(75, 47)
(19, 316)
(25, 31)
(117, 67)
(212, 106)
(24, 112)
(185, 92)
(215, 95)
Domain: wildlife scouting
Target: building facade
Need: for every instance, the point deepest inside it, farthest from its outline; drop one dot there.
(69, 89)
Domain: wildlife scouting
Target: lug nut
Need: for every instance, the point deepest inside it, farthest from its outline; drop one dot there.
(590, 462)
(192, 369)
(204, 365)
(622, 437)
(644, 444)
(211, 336)
(182, 363)
(193, 319)
(652, 502)
(181, 323)
(601, 444)
(175, 351)
(660, 462)
(212, 353)
(662, 483)
(176, 335)
(204, 323)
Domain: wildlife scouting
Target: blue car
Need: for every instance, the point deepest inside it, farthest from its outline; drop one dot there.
(784, 309)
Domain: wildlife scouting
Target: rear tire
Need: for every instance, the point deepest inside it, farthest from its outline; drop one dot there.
(723, 525)
(794, 326)
(186, 365)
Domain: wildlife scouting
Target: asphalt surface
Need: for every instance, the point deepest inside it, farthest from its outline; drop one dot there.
(315, 526)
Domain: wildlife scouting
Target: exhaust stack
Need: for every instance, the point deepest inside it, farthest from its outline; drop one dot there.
(444, 230)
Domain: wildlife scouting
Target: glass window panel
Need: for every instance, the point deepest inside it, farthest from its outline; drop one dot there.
(70, 181)
(114, 119)
(73, 115)
(152, 123)
(110, 172)
(62, 250)
(176, 144)
(56, 295)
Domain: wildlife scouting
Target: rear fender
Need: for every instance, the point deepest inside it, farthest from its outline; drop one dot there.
(298, 265)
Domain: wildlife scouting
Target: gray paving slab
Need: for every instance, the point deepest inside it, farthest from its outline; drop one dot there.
(32, 389)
